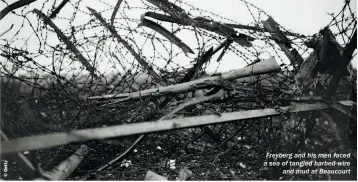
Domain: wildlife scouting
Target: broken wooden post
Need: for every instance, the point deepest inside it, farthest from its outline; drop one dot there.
(283, 42)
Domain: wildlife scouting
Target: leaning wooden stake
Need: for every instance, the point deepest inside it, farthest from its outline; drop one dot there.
(56, 139)
(140, 60)
(68, 43)
(63, 171)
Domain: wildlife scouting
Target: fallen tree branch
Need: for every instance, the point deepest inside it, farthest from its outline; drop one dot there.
(56, 139)
(266, 66)
(63, 170)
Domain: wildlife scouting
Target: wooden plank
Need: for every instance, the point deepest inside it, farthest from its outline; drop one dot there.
(63, 138)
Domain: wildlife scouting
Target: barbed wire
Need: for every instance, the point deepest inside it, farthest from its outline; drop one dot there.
(43, 69)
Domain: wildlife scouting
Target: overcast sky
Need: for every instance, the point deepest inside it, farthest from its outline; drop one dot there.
(301, 16)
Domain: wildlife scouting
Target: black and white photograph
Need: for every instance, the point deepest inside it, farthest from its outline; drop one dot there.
(178, 90)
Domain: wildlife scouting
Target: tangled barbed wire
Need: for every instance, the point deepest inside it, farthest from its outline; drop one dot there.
(55, 57)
